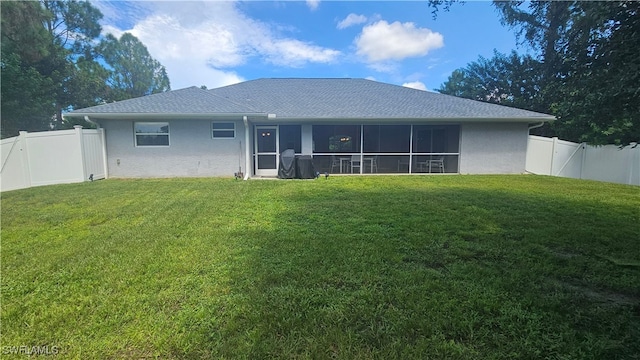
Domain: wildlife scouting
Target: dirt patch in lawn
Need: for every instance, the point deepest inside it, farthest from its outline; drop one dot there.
(603, 295)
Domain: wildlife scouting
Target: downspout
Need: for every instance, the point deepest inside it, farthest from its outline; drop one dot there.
(86, 118)
(247, 151)
(536, 126)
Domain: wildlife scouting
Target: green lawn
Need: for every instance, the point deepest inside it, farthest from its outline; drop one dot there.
(455, 267)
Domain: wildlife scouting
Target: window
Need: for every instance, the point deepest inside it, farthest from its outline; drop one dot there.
(223, 130)
(336, 138)
(152, 133)
(436, 139)
(386, 138)
(290, 138)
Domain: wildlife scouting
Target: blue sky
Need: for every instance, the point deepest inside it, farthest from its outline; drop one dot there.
(217, 43)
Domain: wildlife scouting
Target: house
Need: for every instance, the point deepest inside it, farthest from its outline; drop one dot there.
(347, 125)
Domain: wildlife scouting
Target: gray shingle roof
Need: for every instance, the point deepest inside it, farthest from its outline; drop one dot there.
(316, 99)
(192, 100)
(360, 98)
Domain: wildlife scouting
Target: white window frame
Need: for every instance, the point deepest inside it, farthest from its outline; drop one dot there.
(213, 131)
(161, 123)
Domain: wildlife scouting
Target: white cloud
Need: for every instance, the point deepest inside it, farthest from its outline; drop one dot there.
(115, 12)
(170, 39)
(382, 41)
(198, 42)
(416, 85)
(294, 53)
(109, 29)
(313, 4)
(384, 67)
(196, 73)
(350, 20)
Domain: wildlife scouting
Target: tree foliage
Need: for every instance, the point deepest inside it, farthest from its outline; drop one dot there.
(135, 73)
(27, 101)
(436, 5)
(543, 26)
(590, 57)
(51, 62)
(72, 24)
(511, 80)
(587, 70)
(597, 96)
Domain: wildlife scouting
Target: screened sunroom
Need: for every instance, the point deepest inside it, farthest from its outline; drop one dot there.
(386, 149)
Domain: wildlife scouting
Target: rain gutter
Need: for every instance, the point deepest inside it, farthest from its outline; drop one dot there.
(131, 116)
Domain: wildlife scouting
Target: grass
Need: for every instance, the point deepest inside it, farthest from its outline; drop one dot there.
(441, 267)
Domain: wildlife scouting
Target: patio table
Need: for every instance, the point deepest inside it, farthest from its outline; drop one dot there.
(345, 164)
(370, 159)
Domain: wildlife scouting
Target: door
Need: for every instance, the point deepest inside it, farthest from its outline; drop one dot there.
(266, 146)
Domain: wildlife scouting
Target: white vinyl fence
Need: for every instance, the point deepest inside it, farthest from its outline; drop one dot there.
(550, 156)
(52, 157)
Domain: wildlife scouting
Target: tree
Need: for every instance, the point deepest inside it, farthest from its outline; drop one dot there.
(512, 80)
(134, 72)
(27, 100)
(49, 64)
(590, 64)
(599, 95)
(543, 27)
(89, 79)
(27, 104)
(73, 26)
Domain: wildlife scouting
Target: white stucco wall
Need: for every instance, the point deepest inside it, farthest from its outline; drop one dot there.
(192, 151)
(307, 139)
(493, 148)
(485, 148)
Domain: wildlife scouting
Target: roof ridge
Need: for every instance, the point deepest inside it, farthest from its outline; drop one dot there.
(309, 78)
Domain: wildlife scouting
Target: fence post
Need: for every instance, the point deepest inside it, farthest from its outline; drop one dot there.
(634, 157)
(25, 158)
(80, 138)
(554, 141)
(584, 158)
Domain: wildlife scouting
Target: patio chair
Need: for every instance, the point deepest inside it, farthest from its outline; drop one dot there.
(335, 163)
(356, 163)
(438, 163)
(429, 165)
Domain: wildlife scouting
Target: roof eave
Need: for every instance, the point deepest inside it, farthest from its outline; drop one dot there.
(161, 116)
(265, 117)
(534, 119)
